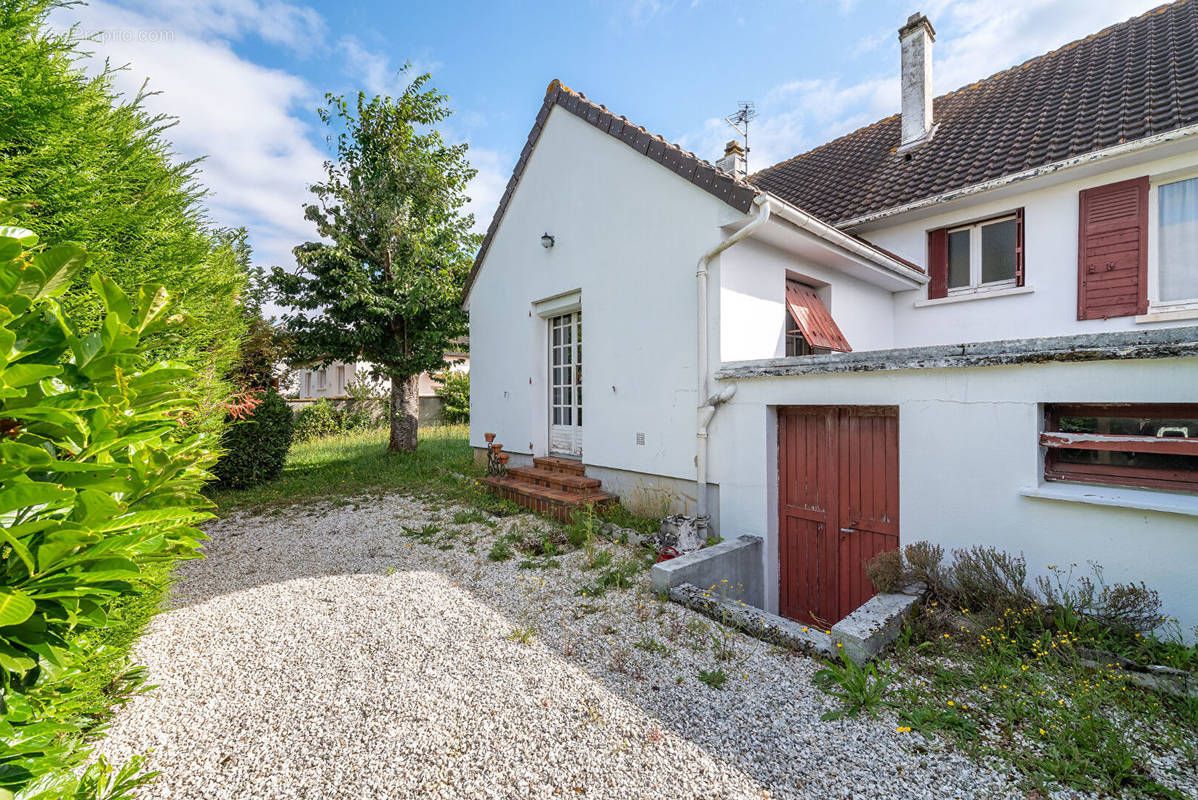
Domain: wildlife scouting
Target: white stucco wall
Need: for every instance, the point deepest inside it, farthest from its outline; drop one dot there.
(1050, 241)
(752, 281)
(968, 446)
(627, 235)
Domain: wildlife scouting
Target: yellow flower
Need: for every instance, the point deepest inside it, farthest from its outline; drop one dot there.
(950, 702)
(1042, 731)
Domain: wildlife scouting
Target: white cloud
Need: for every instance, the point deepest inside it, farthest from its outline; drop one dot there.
(252, 123)
(494, 170)
(297, 27)
(375, 71)
(986, 37)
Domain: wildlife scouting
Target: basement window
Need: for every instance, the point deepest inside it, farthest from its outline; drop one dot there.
(1148, 446)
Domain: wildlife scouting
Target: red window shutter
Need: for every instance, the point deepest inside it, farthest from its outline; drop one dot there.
(1112, 250)
(938, 263)
(812, 318)
(1019, 247)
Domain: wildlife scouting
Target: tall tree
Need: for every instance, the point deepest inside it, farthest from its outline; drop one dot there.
(99, 168)
(385, 285)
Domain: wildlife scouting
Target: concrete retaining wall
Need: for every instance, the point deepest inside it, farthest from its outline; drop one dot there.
(737, 561)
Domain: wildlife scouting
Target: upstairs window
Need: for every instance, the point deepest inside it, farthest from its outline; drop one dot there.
(809, 326)
(980, 256)
(1149, 445)
(1177, 215)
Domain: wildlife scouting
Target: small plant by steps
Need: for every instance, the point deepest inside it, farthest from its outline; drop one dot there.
(858, 688)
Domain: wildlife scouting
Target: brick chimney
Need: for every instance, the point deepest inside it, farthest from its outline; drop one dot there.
(916, 38)
(734, 162)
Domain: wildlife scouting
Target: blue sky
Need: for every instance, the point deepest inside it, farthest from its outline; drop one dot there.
(244, 77)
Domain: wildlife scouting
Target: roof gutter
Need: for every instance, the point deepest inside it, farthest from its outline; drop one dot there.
(1035, 172)
(844, 241)
(707, 405)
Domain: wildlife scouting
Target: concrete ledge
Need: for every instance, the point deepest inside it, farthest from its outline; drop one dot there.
(874, 625)
(737, 561)
(753, 621)
(1157, 343)
(1176, 682)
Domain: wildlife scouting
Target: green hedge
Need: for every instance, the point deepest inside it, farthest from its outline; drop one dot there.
(316, 420)
(102, 172)
(254, 449)
(454, 392)
(101, 466)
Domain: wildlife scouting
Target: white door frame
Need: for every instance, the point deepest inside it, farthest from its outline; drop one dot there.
(562, 440)
(565, 384)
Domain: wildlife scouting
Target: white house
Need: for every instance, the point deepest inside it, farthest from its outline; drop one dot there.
(332, 381)
(972, 322)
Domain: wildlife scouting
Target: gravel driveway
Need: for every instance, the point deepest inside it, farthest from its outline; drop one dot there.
(322, 653)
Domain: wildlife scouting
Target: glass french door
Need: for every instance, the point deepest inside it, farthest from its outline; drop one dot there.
(565, 384)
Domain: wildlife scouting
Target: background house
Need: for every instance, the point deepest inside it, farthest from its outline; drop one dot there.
(971, 323)
(312, 383)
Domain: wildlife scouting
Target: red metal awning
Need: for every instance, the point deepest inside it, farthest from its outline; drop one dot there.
(813, 319)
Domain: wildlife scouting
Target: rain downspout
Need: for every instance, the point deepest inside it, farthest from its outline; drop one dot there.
(708, 404)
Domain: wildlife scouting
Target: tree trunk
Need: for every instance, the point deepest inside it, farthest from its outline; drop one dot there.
(404, 412)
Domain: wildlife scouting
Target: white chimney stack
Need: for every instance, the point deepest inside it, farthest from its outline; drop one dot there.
(916, 38)
(734, 161)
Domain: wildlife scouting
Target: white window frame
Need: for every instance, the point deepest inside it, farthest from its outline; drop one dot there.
(1162, 310)
(975, 258)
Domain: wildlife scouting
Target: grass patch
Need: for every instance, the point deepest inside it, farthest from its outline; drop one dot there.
(326, 468)
(1014, 687)
(501, 551)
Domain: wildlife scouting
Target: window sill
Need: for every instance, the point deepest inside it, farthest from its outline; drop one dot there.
(1116, 497)
(982, 295)
(1166, 314)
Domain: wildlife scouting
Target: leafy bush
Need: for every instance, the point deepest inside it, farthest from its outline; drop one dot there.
(101, 465)
(885, 571)
(104, 174)
(925, 564)
(454, 392)
(366, 407)
(986, 578)
(316, 420)
(255, 448)
(1124, 608)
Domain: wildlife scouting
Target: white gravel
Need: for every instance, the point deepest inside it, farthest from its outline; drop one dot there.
(320, 653)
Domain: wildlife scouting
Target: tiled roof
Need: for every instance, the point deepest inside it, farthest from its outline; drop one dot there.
(733, 191)
(1130, 81)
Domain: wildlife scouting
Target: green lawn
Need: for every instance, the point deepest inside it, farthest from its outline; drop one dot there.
(353, 463)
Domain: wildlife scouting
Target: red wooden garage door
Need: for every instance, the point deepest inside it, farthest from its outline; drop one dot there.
(838, 505)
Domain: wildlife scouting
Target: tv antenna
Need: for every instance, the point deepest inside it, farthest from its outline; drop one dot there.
(746, 112)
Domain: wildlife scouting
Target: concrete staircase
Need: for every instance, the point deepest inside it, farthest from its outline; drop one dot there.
(556, 487)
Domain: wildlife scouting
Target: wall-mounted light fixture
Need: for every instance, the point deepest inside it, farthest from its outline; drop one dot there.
(546, 241)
